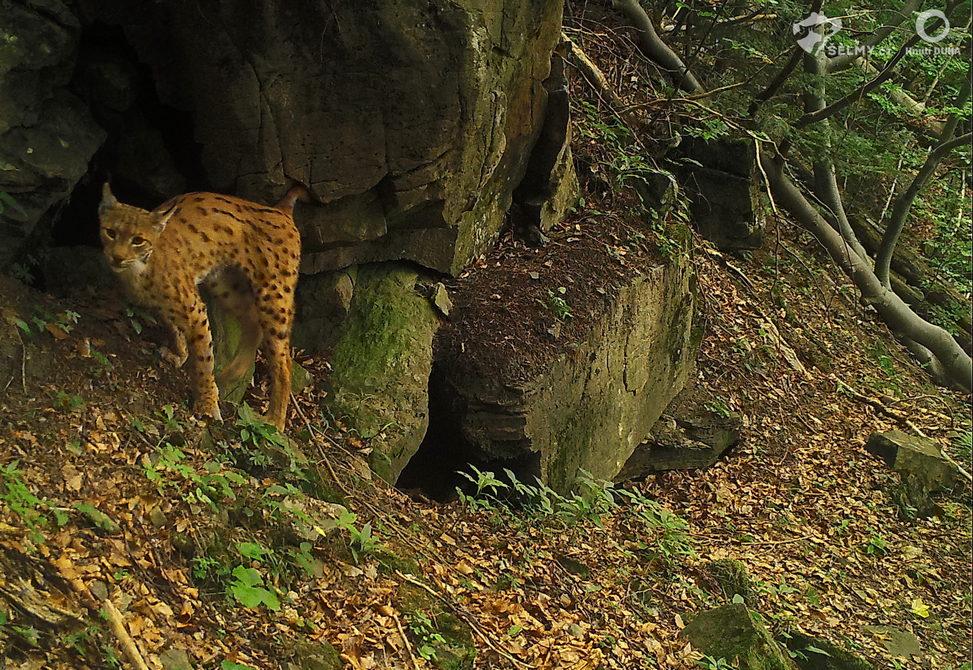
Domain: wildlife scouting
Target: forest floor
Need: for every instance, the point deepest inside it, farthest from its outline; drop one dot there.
(225, 543)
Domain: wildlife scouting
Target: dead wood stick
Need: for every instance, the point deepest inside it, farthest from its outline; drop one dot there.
(592, 73)
(880, 406)
(405, 638)
(115, 620)
(117, 624)
(462, 615)
(948, 458)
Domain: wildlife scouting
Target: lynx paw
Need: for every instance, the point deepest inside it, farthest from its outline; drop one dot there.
(173, 358)
(211, 411)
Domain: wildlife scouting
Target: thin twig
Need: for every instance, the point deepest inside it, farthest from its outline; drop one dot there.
(948, 458)
(462, 615)
(405, 638)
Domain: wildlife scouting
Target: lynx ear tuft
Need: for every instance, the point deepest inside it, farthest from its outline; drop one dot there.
(108, 200)
(160, 219)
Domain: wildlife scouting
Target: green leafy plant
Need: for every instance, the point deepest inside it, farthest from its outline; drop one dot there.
(487, 486)
(33, 511)
(170, 468)
(719, 407)
(247, 588)
(876, 545)
(711, 663)
(255, 431)
(558, 305)
(426, 634)
(233, 665)
(362, 541)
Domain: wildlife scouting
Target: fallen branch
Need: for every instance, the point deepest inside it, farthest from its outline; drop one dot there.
(117, 624)
(889, 412)
(405, 639)
(462, 615)
(115, 620)
(592, 73)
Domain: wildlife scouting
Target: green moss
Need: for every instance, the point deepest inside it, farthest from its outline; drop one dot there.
(382, 361)
(315, 656)
(387, 317)
(732, 633)
(456, 651)
(733, 579)
(808, 654)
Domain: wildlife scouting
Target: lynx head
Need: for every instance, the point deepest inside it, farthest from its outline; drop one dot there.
(128, 234)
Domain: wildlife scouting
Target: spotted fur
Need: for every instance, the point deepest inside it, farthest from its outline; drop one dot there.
(246, 255)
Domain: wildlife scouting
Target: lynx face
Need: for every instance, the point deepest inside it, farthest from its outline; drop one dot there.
(128, 234)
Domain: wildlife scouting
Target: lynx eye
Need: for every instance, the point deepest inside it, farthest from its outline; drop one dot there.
(138, 241)
(109, 233)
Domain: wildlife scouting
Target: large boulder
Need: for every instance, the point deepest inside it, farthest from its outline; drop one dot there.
(47, 135)
(921, 464)
(722, 180)
(381, 365)
(586, 401)
(411, 122)
(732, 633)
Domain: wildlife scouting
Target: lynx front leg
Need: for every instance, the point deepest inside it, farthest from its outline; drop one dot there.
(193, 322)
(179, 353)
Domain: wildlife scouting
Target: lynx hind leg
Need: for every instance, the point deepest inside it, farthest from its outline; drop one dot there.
(275, 305)
(231, 290)
(191, 318)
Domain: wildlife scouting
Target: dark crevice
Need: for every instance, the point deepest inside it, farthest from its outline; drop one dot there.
(122, 97)
(444, 453)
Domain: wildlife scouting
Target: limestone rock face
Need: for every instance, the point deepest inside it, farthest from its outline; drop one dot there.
(47, 134)
(689, 435)
(590, 406)
(722, 182)
(550, 185)
(381, 365)
(411, 122)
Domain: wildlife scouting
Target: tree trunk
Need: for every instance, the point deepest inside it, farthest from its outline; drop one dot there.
(655, 49)
(955, 364)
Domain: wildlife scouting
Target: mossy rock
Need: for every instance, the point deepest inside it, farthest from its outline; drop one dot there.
(455, 650)
(733, 633)
(382, 361)
(733, 579)
(816, 654)
(314, 656)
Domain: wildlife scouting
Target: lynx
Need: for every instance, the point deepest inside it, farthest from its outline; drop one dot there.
(244, 254)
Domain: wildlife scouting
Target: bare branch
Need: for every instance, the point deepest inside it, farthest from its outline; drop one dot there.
(860, 92)
(655, 49)
(777, 82)
(903, 204)
(845, 61)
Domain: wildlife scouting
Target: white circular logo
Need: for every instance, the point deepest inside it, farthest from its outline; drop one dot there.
(923, 19)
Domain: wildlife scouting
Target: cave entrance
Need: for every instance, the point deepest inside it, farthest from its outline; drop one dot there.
(435, 469)
(149, 153)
